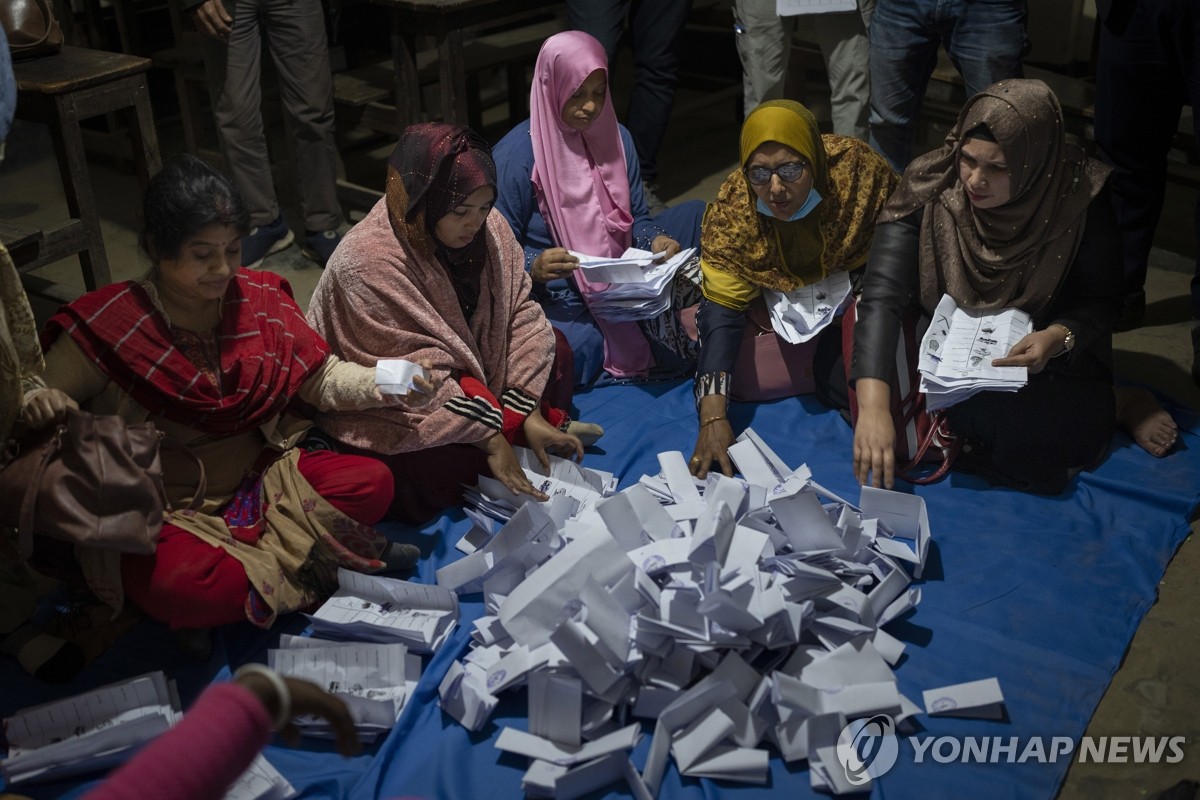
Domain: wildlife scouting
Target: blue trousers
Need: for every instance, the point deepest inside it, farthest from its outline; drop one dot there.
(984, 38)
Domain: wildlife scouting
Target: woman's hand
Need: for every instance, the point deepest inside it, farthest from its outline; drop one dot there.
(551, 264)
(1034, 351)
(47, 407)
(424, 389)
(211, 19)
(502, 461)
(544, 437)
(714, 438)
(307, 699)
(874, 435)
(665, 245)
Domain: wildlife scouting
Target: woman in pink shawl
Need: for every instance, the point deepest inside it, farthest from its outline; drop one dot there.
(433, 274)
(569, 180)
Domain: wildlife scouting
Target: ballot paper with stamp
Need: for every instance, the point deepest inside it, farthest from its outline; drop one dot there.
(376, 609)
(373, 680)
(959, 346)
(395, 376)
(801, 314)
(91, 731)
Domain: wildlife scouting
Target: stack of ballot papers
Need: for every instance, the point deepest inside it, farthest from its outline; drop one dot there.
(734, 616)
(801, 314)
(957, 351)
(374, 680)
(100, 729)
(372, 608)
(639, 288)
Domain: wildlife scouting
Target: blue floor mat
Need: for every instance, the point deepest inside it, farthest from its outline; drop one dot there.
(1044, 593)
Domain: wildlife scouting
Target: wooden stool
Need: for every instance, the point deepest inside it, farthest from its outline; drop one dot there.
(61, 90)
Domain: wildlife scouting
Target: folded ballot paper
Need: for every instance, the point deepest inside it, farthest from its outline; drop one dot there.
(100, 729)
(737, 618)
(371, 608)
(395, 375)
(957, 351)
(801, 314)
(375, 681)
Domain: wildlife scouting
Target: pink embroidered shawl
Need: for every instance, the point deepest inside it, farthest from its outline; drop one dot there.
(383, 297)
(581, 180)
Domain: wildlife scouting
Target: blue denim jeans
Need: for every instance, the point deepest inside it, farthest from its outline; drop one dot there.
(655, 34)
(985, 40)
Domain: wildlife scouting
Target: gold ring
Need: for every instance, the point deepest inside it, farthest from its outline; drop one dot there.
(695, 459)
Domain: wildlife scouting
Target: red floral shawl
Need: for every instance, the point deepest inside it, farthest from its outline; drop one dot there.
(268, 351)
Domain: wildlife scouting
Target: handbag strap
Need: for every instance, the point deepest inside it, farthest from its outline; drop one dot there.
(201, 480)
(29, 501)
(940, 437)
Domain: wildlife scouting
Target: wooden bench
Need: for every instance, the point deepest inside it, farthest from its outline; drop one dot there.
(31, 248)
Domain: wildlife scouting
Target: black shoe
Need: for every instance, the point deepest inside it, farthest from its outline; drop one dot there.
(400, 557)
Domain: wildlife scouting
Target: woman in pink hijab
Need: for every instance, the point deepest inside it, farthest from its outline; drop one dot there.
(569, 180)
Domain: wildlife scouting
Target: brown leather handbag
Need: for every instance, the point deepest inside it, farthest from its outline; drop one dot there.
(93, 480)
(31, 27)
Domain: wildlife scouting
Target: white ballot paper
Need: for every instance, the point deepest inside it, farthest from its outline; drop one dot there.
(958, 348)
(90, 731)
(790, 8)
(395, 375)
(976, 699)
(260, 781)
(376, 609)
(373, 680)
(801, 314)
(629, 267)
(732, 614)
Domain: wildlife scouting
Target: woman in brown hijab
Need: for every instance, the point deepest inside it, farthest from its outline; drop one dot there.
(1006, 214)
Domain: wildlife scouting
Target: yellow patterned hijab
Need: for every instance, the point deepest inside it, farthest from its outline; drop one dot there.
(742, 248)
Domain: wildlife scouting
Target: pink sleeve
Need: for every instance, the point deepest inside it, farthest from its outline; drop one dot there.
(202, 756)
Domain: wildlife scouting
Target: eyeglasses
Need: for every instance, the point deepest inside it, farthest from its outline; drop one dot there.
(787, 173)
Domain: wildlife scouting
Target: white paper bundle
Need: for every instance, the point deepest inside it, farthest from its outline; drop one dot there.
(371, 608)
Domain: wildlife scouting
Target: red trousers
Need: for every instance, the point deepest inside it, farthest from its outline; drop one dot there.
(188, 583)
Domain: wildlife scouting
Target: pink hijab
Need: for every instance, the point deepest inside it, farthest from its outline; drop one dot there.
(581, 181)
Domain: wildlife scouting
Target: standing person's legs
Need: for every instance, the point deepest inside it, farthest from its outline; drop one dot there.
(762, 48)
(296, 35)
(986, 41)
(656, 32)
(233, 70)
(1134, 128)
(903, 52)
(843, 42)
(603, 19)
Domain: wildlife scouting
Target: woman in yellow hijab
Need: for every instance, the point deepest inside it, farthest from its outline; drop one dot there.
(800, 207)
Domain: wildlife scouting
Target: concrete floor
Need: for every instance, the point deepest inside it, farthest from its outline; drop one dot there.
(1156, 692)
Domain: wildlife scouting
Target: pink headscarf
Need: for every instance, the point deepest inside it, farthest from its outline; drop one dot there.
(581, 181)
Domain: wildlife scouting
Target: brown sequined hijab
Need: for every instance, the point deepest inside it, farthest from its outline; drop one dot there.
(1017, 254)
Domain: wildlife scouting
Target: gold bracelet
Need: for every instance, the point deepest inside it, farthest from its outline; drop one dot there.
(711, 420)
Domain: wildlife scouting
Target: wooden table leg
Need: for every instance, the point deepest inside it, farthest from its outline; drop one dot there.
(140, 120)
(452, 79)
(405, 85)
(81, 202)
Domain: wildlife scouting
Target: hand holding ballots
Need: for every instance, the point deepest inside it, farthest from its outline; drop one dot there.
(395, 376)
(958, 348)
(639, 287)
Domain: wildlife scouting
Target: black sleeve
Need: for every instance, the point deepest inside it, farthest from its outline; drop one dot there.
(1089, 300)
(889, 288)
(720, 330)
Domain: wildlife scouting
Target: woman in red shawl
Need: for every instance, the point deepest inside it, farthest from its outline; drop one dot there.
(434, 273)
(216, 356)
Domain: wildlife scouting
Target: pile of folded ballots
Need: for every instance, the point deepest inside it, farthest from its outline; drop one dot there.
(735, 618)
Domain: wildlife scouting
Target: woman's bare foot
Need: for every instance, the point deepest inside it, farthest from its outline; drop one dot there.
(1140, 415)
(588, 432)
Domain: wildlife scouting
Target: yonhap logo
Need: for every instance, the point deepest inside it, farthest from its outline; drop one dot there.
(868, 748)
